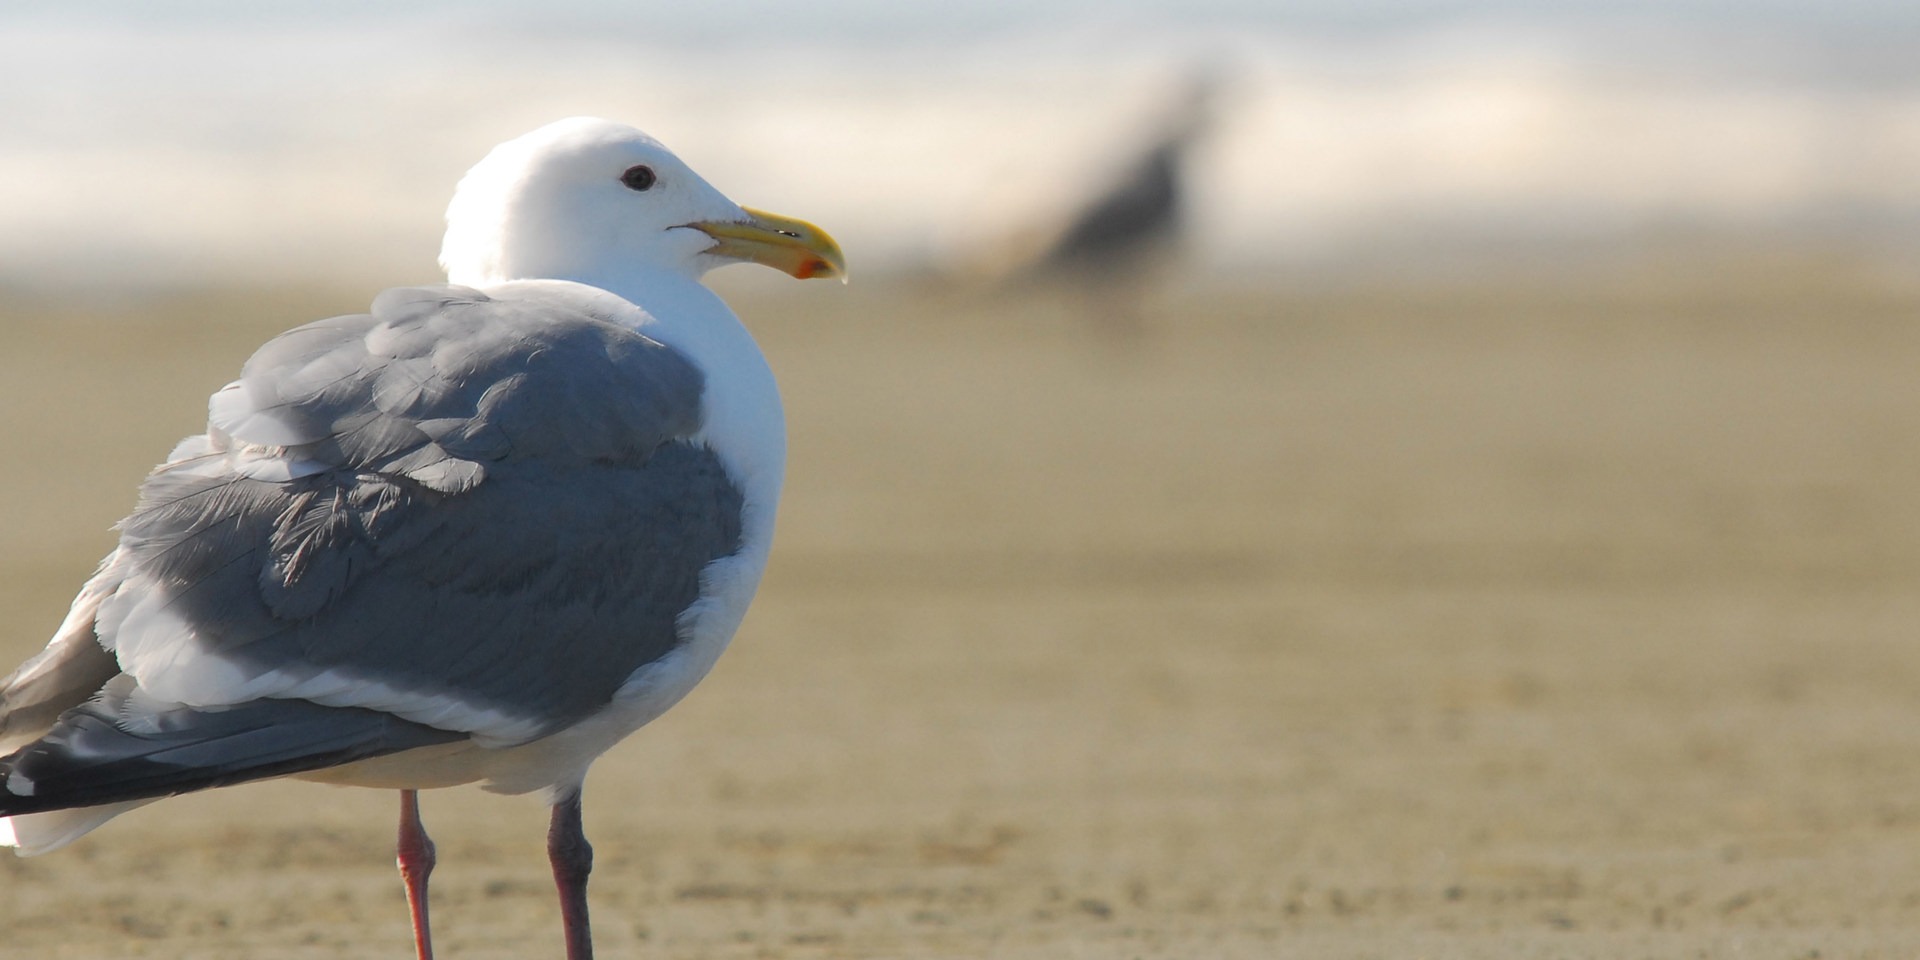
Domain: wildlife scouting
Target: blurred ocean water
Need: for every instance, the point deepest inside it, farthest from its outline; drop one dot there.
(201, 141)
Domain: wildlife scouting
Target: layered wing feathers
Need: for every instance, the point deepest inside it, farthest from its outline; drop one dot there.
(454, 515)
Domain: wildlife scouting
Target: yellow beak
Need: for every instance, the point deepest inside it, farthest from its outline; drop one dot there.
(793, 247)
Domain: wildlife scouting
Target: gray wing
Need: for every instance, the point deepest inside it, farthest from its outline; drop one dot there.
(481, 516)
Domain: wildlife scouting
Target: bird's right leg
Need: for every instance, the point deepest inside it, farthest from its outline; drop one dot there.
(572, 859)
(416, 862)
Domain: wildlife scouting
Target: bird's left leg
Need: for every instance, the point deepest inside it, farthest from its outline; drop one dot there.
(416, 862)
(572, 859)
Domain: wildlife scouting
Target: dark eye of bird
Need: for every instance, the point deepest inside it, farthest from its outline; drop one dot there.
(638, 177)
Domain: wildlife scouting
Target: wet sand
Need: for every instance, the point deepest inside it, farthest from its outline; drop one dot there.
(1569, 616)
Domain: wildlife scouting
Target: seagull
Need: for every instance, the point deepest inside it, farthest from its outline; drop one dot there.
(1110, 245)
(1140, 211)
(478, 534)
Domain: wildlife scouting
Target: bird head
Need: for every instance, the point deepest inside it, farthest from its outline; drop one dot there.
(583, 199)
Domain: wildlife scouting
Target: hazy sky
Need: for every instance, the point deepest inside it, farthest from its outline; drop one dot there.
(196, 137)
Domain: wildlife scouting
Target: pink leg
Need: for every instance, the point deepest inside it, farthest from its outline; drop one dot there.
(416, 862)
(572, 859)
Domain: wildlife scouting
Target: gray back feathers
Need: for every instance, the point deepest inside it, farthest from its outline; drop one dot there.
(434, 383)
(493, 505)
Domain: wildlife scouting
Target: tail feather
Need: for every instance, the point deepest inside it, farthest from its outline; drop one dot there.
(124, 745)
(32, 834)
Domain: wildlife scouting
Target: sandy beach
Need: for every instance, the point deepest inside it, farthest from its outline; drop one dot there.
(1568, 614)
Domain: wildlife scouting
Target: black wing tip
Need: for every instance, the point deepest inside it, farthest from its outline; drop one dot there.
(94, 756)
